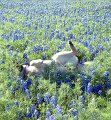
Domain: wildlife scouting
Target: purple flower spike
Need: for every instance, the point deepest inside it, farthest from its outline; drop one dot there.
(53, 101)
(48, 113)
(39, 98)
(58, 109)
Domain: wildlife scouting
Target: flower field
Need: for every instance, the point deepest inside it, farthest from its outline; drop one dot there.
(37, 29)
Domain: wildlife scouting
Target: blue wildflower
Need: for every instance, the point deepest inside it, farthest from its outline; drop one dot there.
(58, 109)
(15, 37)
(52, 117)
(53, 101)
(16, 103)
(58, 82)
(47, 26)
(8, 107)
(29, 82)
(82, 98)
(72, 103)
(47, 97)
(39, 98)
(97, 87)
(72, 77)
(89, 88)
(37, 48)
(12, 89)
(73, 112)
(36, 113)
(51, 35)
(109, 85)
(27, 92)
(32, 107)
(80, 105)
(44, 57)
(106, 76)
(28, 113)
(2, 62)
(24, 85)
(48, 113)
(71, 36)
(25, 56)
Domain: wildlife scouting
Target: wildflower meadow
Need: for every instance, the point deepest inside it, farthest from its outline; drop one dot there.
(37, 29)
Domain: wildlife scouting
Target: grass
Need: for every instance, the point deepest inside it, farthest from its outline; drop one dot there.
(41, 28)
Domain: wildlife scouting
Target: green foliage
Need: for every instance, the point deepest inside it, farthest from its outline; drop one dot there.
(96, 107)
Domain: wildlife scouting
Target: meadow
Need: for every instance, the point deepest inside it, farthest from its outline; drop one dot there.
(34, 29)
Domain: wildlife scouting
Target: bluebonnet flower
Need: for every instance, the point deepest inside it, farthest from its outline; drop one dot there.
(28, 113)
(67, 29)
(15, 37)
(106, 76)
(72, 77)
(24, 85)
(52, 117)
(109, 85)
(21, 36)
(61, 34)
(36, 113)
(16, 103)
(97, 87)
(5, 36)
(40, 25)
(2, 62)
(72, 103)
(32, 107)
(57, 36)
(8, 107)
(47, 26)
(75, 117)
(59, 73)
(85, 81)
(68, 80)
(25, 56)
(35, 27)
(80, 105)
(89, 88)
(82, 98)
(12, 19)
(37, 48)
(47, 97)
(29, 82)
(12, 89)
(73, 112)
(51, 35)
(64, 38)
(44, 56)
(39, 98)
(18, 82)
(58, 83)
(28, 25)
(27, 62)
(71, 36)
(83, 88)
(86, 43)
(53, 101)
(106, 39)
(48, 113)
(27, 92)
(58, 109)
(19, 115)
